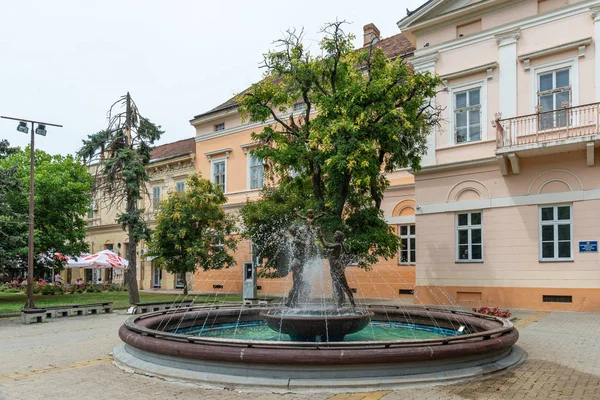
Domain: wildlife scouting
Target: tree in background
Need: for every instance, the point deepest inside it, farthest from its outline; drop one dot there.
(63, 188)
(119, 156)
(193, 230)
(342, 119)
(12, 223)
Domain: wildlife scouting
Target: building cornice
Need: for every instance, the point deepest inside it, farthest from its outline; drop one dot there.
(455, 165)
(578, 44)
(525, 23)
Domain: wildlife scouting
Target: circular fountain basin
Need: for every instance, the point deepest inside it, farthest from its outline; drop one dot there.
(317, 325)
(171, 345)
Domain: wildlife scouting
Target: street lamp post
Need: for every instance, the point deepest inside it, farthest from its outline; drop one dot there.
(41, 130)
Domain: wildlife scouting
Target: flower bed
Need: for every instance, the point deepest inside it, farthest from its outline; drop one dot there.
(492, 311)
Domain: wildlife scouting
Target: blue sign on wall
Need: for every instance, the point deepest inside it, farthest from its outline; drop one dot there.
(591, 246)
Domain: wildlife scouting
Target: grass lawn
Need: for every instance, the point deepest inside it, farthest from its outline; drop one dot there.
(13, 302)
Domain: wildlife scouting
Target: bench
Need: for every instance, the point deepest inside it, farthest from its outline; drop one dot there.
(30, 315)
(257, 300)
(142, 308)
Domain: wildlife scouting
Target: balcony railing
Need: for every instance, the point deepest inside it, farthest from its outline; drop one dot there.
(566, 122)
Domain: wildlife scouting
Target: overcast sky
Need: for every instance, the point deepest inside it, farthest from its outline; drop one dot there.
(67, 61)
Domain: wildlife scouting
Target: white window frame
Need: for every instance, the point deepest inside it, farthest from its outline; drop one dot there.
(300, 106)
(469, 227)
(91, 209)
(535, 71)
(155, 200)
(220, 127)
(249, 172)
(462, 87)
(214, 161)
(177, 184)
(408, 236)
(555, 222)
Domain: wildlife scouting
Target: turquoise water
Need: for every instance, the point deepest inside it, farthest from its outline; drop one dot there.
(377, 330)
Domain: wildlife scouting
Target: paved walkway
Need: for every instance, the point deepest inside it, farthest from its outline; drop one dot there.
(69, 359)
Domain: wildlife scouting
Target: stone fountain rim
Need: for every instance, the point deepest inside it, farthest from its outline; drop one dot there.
(499, 334)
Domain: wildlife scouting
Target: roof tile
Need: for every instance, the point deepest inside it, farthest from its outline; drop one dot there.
(174, 149)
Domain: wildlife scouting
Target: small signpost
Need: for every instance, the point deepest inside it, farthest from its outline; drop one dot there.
(590, 246)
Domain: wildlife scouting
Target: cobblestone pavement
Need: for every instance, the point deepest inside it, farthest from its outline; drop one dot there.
(69, 359)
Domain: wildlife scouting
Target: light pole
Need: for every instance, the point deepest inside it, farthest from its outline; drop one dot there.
(41, 130)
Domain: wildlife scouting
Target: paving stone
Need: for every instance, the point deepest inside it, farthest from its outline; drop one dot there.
(69, 358)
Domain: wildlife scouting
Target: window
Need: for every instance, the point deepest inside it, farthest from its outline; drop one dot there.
(218, 174)
(467, 115)
(556, 233)
(299, 106)
(468, 237)
(408, 254)
(180, 187)
(220, 127)
(554, 92)
(155, 197)
(179, 280)
(91, 208)
(256, 172)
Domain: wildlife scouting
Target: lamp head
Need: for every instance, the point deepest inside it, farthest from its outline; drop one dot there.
(23, 127)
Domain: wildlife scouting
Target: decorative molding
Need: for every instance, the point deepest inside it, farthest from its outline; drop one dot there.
(524, 23)
(554, 170)
(469, 187)
(595, 13)
(227, 150)
(578, 44)
(424, 62)
(454, 165)
(247, 146)
(470, 71)
(514, 201)
(508, 37)
(409, 219)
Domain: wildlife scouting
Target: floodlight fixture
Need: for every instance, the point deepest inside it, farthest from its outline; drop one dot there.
(23, 127)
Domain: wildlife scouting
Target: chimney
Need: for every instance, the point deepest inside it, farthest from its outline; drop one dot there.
(372, 34)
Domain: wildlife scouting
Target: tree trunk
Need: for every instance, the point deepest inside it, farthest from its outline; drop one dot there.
(185, 288)
(131, 280)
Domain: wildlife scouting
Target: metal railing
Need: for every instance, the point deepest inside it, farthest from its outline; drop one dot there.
(566, 122)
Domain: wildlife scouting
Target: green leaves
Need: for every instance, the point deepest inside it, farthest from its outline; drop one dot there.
(62, 189)
(373, 117)
(193, 231)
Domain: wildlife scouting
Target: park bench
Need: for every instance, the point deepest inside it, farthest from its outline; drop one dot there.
(30, 315)
(258, 300)
(142, 308)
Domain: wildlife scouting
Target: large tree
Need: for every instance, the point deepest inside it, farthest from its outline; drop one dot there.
(62, 190)
(119, 156)
(12, 222)
(193, 231)
(363, 116)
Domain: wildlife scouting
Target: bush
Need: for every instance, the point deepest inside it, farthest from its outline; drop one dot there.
(115, 287)
(492, 311)
(93, 288)
(50, 290)
(7, 289)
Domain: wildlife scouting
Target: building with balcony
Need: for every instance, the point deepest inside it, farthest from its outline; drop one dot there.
(508, 201)
(507, 204)
(170, 166)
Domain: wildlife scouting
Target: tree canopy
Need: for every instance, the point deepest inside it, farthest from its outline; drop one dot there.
(193, 231)
(339, 120)
(120, 155)
(62, 197)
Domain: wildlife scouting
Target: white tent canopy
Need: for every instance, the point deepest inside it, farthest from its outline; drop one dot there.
(102, 259)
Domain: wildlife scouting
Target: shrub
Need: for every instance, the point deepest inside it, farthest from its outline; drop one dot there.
(492, 311)
(50, 290)
(93, 288)
(115, 287)
(7, 289)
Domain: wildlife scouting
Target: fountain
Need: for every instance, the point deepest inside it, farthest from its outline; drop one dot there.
(310, 341)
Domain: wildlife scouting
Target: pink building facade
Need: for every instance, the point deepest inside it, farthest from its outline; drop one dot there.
(506, 210)
(507, 204)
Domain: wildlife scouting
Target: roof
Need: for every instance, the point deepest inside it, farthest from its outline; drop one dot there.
(174, 149)
(393, 47)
